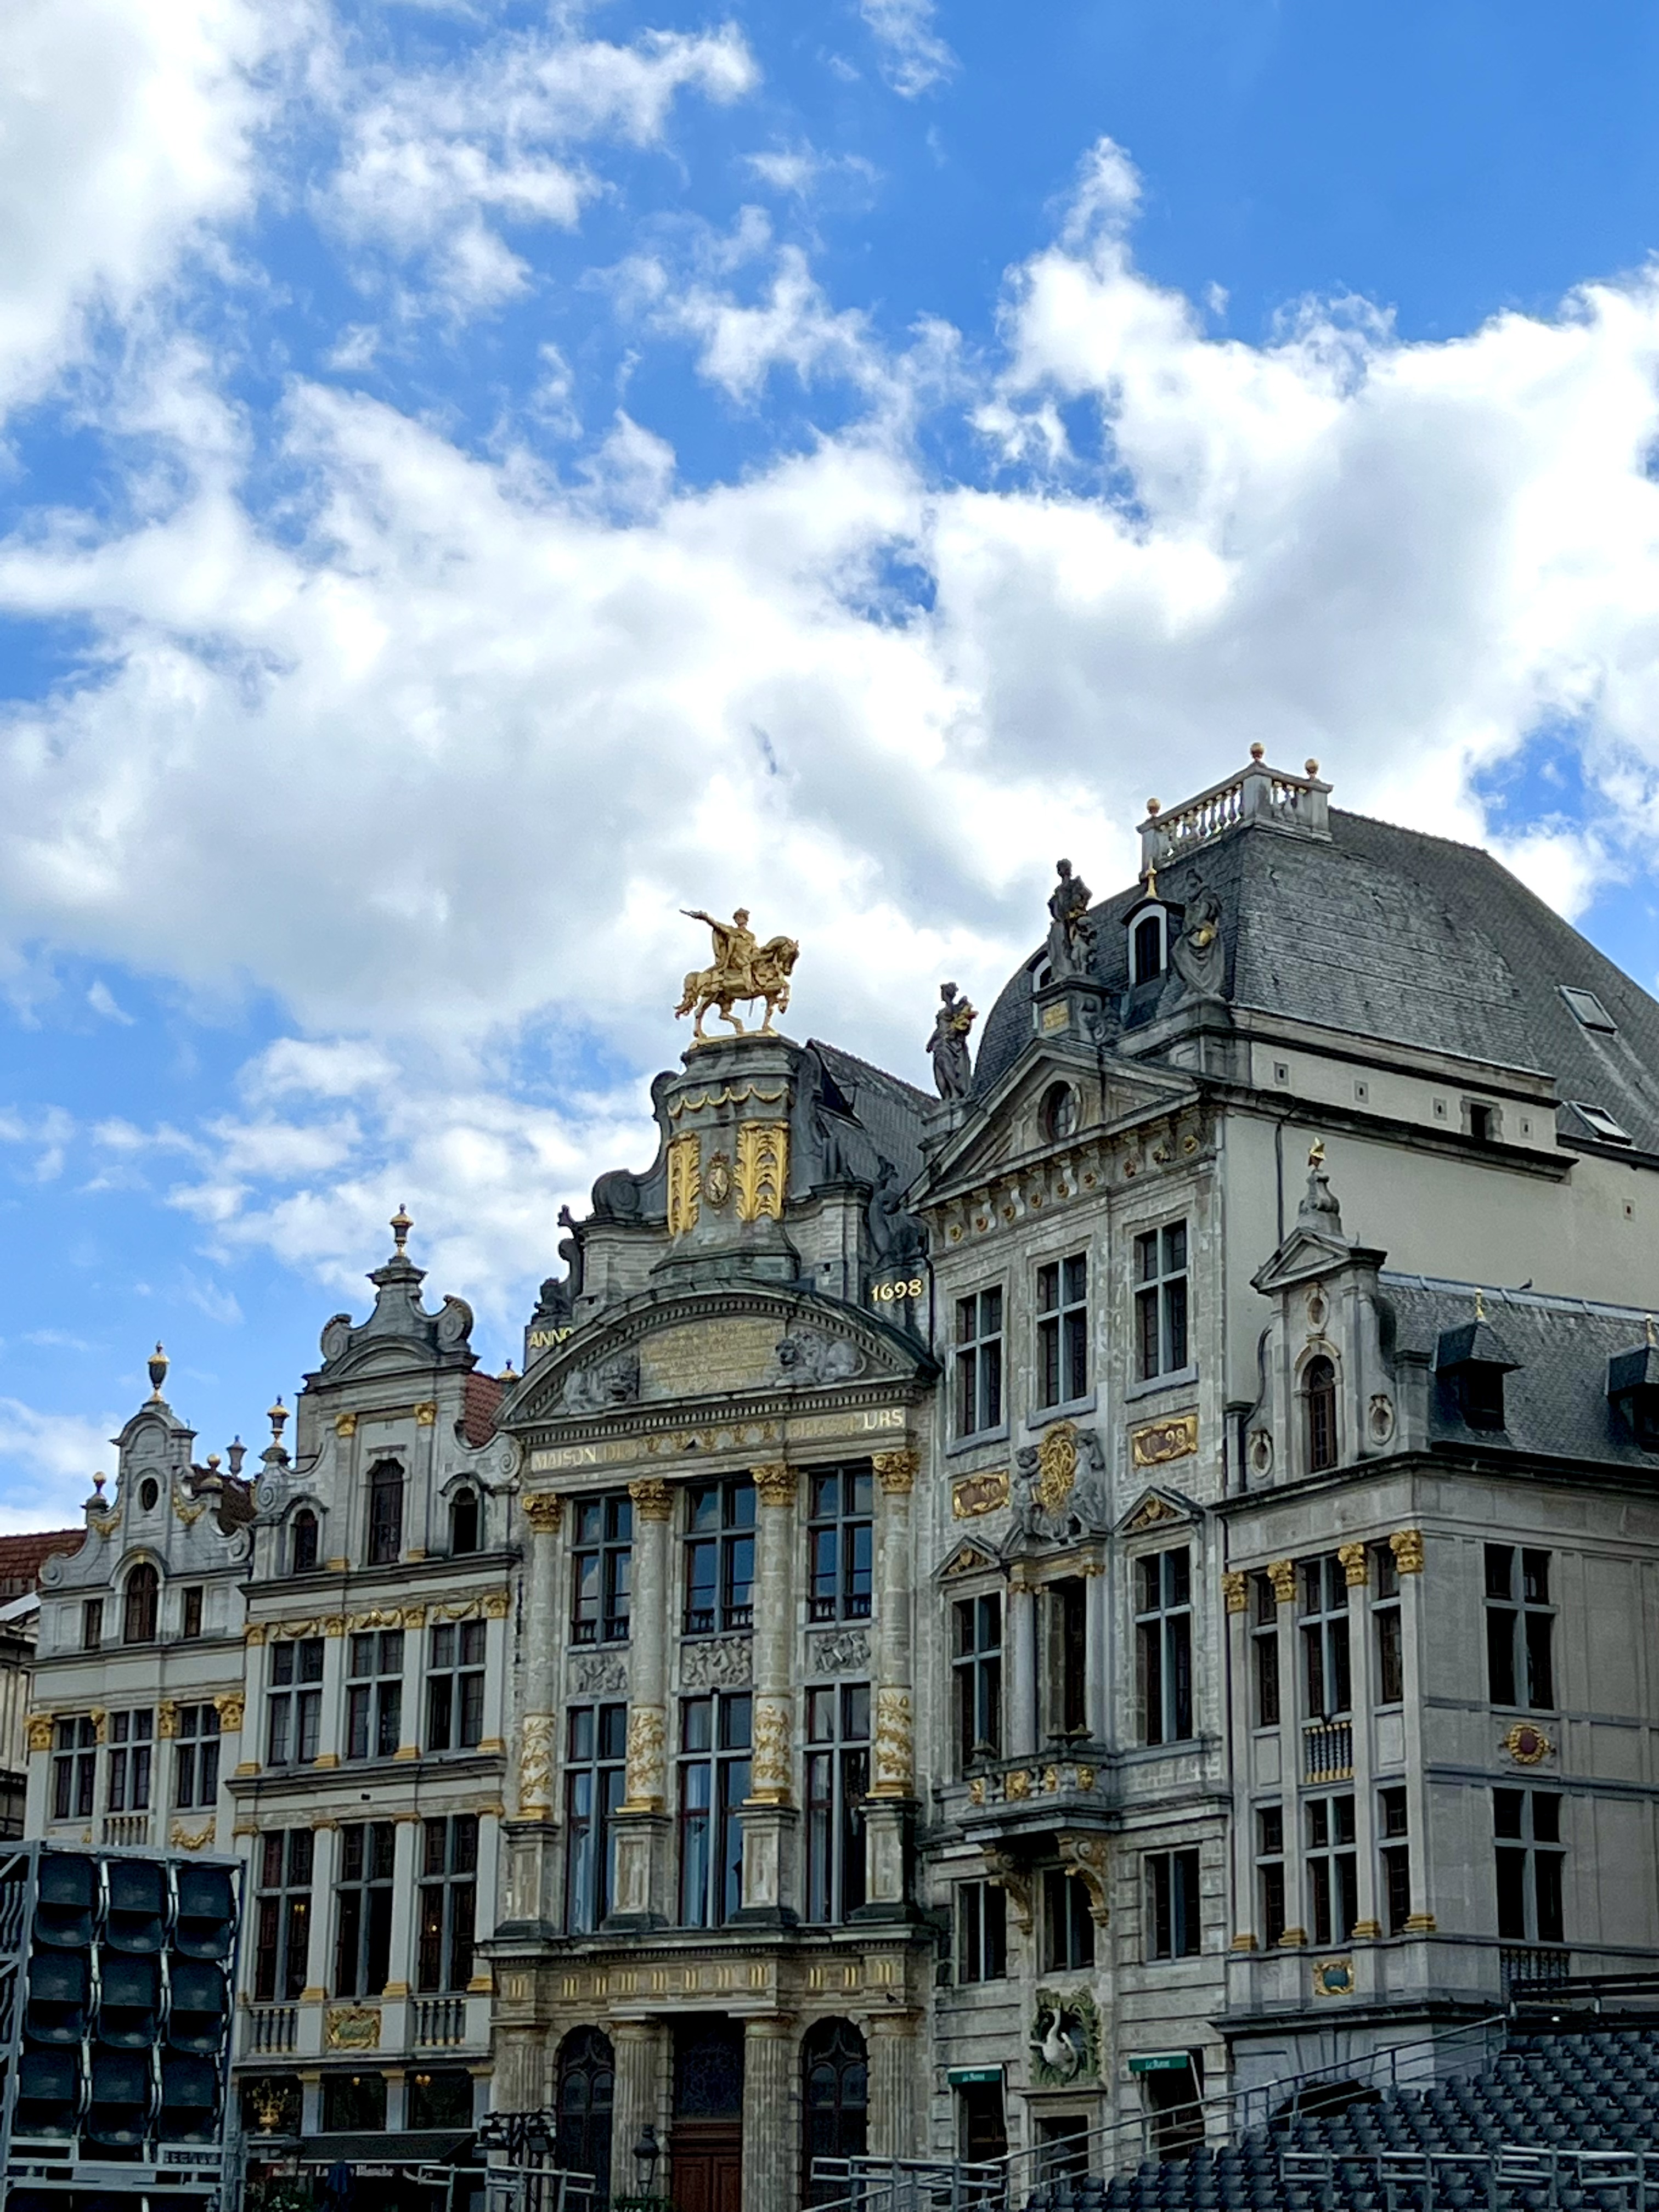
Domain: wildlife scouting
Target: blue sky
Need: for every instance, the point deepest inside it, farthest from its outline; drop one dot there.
(478, 478)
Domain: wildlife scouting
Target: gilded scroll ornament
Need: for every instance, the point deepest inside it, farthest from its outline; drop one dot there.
(647, 1741)
(769, 1771)
(345, 1424)
(894, 1747)
(230, 1708)
(352, 2027)
(743, 970)
(536, 1763)
(544, 1509)
(189, 1840)
(762, 1170)
(653, 1499)
(684, 1184)
(896, 1472)
(1159, 1441)
(979, 1493)
(426, 1413)
(1527, 1744)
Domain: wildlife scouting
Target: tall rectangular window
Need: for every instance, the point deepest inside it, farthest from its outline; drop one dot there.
(719, 1557)
(1062, 1305)
(91, 1624)
(982, 1916)
(195, 1757)
(281, 1915)
(1164, 1645)
(837, 1784)
(1174, 1925)
(385, 1514)
(1068, 1927)
(1270, 1871)
(1161, 1301)
(978, 1404)
(977, 1663)
(74, 1768)
(601, 1569)
(1066, 1689)
(447, 1902)
(714, 1748)
(1264, 1649)
(1395, 1853)
(374, 1694)
(1333, 1868)
(1327, 1671)
(455, 1685)
(293, 1707)
(1526, 1832)
(363, 1904)
(190, 1621)
(1519, 1629)
(840, 1543)
(131, 1741)
(594, 1776)
(1385, 1627)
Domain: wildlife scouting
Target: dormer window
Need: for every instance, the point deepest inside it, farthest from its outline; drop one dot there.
(138, 1617)
(1319, 1396)
(1146, 948)
(1481, 1395)
(1633, 1389)
(386, 1513)
(302, 1542)
(1471, 1362)
(1587, 1009)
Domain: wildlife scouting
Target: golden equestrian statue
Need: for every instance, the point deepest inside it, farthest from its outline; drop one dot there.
(742, 972)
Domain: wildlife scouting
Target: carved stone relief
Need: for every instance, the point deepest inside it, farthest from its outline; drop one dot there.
(717, 1662)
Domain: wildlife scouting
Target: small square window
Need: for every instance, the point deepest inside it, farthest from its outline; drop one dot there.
(1361, 1092)
(1589, 1009)
(1439, 1110)
(1281, 1071)
(1600, 1123)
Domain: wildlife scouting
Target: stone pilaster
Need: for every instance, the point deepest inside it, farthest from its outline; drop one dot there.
(405, 1873)
(893, 1781)
(769, 1818)
(642, 1825)
(641, 2097)
(543, 1512)
(1407, 1545)
(1245, 1934)
(324, 1871)
(1020, 1642)
(894, 2061)
(771, 2113)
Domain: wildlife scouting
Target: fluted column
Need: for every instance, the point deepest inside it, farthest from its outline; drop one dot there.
(893, 1783)
(769, 1817)
(771, 2114)
(1020, 1641)
(641, 2098)
(893, 2061)
(641, 1827)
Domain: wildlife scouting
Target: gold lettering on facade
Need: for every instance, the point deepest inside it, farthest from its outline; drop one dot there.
(1159, 1441)
(979, 1493)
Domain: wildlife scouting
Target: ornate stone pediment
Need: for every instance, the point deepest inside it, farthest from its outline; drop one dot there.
(762, 1347)
(1156, 1509)
(1125, 1092)
(967, 1559)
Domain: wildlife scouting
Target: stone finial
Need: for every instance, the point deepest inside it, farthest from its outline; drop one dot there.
(1311, 766)
(98, 1482)
(158, 1363)
(235, 1452)
(214, 1462)
(1319, 1208)
(277, 1416)
(509, 1373)
(401, 1225)
(1258, 750)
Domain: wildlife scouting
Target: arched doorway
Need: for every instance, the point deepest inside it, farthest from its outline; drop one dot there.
(587, 2081)
(835, 2079)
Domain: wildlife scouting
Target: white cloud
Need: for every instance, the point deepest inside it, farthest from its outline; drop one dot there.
(126, 129)
(101, 999)
(914, 56)
(434, 164)
(792, 327)
(47, 1464)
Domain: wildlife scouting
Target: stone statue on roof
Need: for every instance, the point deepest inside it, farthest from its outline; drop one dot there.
(1070, 933)
(1198, 955)
(953, 1069)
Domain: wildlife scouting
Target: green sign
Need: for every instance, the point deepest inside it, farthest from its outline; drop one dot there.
(1160, 2061)
(959, 2076)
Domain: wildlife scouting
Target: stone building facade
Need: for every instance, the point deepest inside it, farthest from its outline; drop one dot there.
(990, 1617)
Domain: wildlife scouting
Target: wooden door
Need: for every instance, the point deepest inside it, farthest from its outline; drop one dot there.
(706, 2161)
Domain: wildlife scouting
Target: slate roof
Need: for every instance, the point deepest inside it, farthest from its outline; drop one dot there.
(1393, 934)
(1555, 1397)
(888, 1109)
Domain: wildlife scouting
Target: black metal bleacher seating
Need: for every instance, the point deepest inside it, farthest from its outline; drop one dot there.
(1598, 2090)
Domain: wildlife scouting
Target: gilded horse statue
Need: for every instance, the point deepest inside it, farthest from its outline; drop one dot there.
(744, 971)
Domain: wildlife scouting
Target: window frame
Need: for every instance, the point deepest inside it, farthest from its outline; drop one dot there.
(1070, 1937)
(980, 1914)
(294, 1699)
(1331, 1864)
(196, 1758)
(141, 1604)
(282, 1915)
(362, 1907)
(74, 1767)
(1325, 1630)
(601, 1569)
(446, 1904)
(1060, 1306)
(836, 1785)
(841, 1543)
(1520, 1629)
(457, 1671)
(1388, 1626)
(1320, 1426)
(1163, 1300)
(595, 1784)
(979, 1405)
(1065, 1603)
(727, 1762)
(976, 1673)
(375, 1658)
(1394, 1857)
(129, 1769)
(727, 1540)
(1173, 1884)
(1165, 1691)
(1533, 1854)
(1266, 1688)
(383, 1530)
(1272, 1895)
(302, 1556)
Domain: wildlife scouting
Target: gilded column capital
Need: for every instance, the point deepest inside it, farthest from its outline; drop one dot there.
(40, 1727)
(1236, 1587)
(230, 1708)
(1356, 1564)
(1407, 1545)
(775, 1483)
(1281, 1573)
(167, 1717)
(99, 1720)
(544, 1509)
(653, 1498)
(896, 1470)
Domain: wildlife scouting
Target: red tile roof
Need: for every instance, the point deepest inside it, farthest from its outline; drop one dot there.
(22, 1556)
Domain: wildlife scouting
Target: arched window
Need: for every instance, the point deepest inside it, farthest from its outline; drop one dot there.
(464, 1520)
(1319, 1390)
(834, 2070)
(386, 1513)
(1147, 953)
(302, 1542)
(587, 2074)
(143, 1592)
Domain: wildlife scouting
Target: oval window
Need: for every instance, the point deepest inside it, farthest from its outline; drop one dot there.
(149, 1494)
(1060, 1111)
